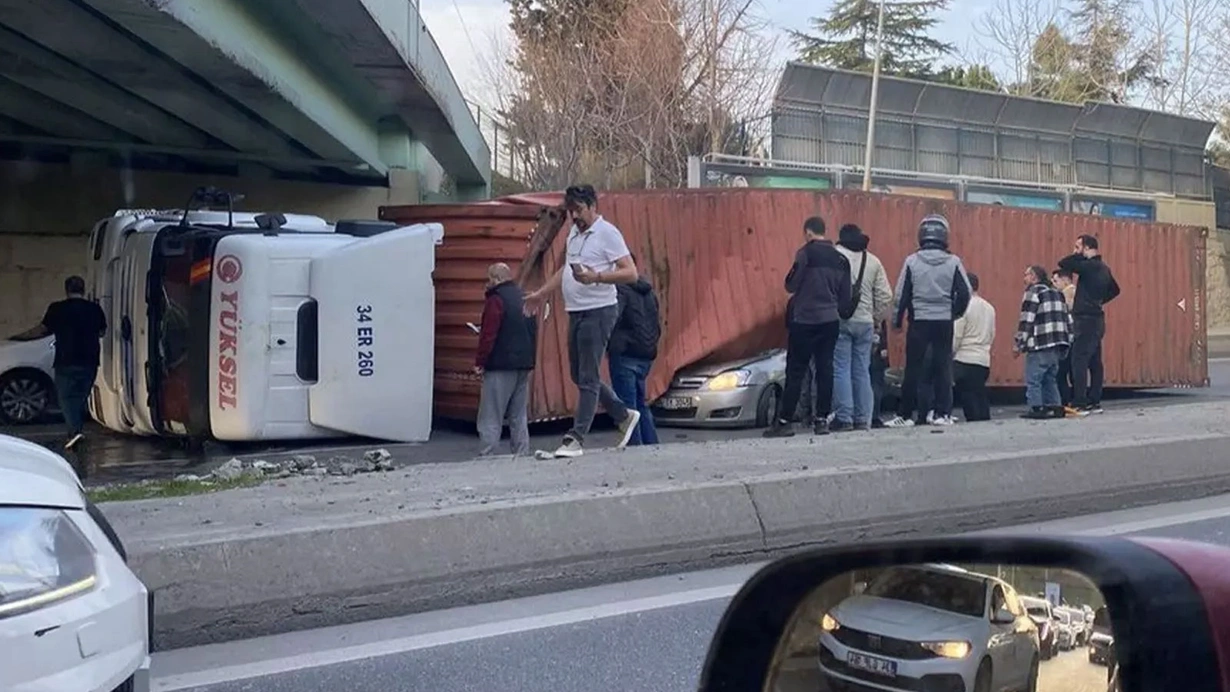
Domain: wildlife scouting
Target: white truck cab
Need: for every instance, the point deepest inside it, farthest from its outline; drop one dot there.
(251, 332)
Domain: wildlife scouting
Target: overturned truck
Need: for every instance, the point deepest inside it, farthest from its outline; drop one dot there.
(718, 257)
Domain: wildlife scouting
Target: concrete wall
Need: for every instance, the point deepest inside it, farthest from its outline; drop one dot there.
(47, 211)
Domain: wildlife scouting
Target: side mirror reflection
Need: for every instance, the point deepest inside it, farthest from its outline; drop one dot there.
(966, 628)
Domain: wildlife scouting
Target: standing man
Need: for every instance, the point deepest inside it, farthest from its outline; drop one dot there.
(853, 399)
(77, 324)
(972, 336)
(632, 350)
(933, 291)
(1095, 287)
(596, 261)
(506, 348)
(820, 284)
(1043, 335)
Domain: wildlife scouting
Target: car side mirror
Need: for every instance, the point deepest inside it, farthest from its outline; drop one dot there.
(802, 623)
(1003, 616)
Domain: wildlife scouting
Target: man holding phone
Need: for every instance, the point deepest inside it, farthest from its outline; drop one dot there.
(597, 259)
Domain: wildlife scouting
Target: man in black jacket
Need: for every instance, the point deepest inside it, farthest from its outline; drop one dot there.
(631, 351)
(820, 285)
(1095, 287)
(505, 358)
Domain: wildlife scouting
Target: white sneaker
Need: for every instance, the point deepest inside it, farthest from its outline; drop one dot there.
(942, 421)
(570, 449)
(898, 422)
(930, 417)
(627, 427)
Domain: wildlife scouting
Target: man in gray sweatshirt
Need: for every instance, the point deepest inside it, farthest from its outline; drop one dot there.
(934, 291)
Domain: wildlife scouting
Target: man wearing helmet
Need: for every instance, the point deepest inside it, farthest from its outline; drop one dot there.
(934, 291)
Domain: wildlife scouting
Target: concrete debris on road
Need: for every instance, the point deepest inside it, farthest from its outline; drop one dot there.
(372, 461)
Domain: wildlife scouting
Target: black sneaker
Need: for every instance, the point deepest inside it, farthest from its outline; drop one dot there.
(1037, 413)
(1093, 408)
(840, 426)
(876, 424)
(1057, 411)
(822, 426)
(780, 428)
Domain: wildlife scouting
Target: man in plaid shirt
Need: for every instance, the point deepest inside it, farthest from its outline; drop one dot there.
(1044, 335)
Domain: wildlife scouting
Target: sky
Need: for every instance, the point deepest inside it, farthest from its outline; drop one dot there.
(469, 44)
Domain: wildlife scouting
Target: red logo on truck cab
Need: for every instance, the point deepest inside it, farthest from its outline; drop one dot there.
(229, 269)
(228, 350)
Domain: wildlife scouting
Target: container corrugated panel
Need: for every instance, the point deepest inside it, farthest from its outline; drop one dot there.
(718, 257)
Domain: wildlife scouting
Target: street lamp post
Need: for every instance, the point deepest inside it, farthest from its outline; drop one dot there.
(875, 97)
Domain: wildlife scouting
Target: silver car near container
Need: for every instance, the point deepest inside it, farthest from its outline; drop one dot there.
(731, 394)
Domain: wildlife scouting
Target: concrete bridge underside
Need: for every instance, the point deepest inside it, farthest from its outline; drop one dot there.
(331, 107)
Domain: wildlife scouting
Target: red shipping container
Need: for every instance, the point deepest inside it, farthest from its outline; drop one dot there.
(717, 259)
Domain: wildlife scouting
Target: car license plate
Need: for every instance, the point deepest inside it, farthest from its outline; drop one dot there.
(675, 403)
(871, 664)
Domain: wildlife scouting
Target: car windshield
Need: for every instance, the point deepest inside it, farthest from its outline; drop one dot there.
(951, 592)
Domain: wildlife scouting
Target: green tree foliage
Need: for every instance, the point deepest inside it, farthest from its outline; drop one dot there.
(846, 37)
(1055, 68)
(1094, 60)
(970, 77)
(1110, 65)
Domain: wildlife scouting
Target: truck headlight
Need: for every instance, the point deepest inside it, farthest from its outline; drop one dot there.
(44, 558)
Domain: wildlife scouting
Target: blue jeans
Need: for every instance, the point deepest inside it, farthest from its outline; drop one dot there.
(1042, 377)
(74, 383)
(852, 396)
(628, 380)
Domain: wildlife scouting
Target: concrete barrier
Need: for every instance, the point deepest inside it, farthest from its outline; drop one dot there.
(305, 553)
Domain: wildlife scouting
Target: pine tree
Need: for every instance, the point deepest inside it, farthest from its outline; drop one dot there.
(846, 37)
(1103, 43)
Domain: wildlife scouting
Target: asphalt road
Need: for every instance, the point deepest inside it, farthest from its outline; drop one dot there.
(108, 457)
(644, 635)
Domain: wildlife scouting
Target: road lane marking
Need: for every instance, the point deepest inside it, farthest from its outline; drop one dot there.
(346, 654)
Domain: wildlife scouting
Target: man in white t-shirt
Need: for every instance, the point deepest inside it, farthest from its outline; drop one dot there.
(596, 260)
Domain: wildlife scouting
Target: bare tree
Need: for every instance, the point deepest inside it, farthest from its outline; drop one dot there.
(1009, 34)
(625, 108)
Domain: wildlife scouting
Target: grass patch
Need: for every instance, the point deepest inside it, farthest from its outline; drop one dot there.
(146, 490)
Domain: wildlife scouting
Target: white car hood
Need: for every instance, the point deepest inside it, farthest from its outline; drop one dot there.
(30, 354)
(901, 619)
(34, 475)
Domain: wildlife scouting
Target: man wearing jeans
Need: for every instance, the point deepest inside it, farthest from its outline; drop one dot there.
(632, 350)
(852, 394)
(77, 324)
(1095, 287)
(596, 260)
(1043, 334)
(820, 285)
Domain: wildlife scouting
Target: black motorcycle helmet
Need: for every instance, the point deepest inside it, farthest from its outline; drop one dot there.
(933, 232)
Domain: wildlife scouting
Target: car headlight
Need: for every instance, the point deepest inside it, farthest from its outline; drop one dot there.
(728, 380)
(44, 558)
(948, 649)
(829, 623)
